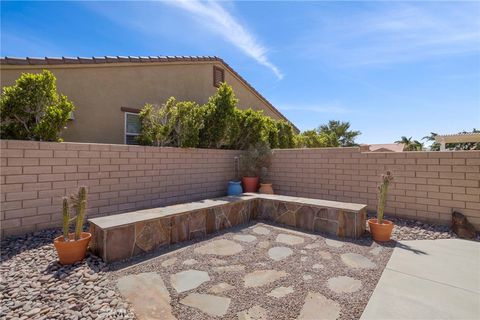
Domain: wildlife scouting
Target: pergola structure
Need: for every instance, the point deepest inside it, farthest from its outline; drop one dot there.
(457, 138)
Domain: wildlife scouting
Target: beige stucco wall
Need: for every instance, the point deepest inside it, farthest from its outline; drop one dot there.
(99, 91)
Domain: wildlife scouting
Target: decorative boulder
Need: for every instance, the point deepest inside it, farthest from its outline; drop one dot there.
(461, 227)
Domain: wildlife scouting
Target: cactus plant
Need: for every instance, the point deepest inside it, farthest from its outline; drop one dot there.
(263, 174)
(70, 248)
(66, 219)
(79, 203)
(382, 198)
(80, 208)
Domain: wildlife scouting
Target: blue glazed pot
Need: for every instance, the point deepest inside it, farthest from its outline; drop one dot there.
(234, 188)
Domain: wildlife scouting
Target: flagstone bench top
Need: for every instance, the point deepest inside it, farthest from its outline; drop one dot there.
(346, 206)
(133, 217)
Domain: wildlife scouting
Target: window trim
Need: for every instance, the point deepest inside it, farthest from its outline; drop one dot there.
(130, 110)
(215, 68)
(125, 127)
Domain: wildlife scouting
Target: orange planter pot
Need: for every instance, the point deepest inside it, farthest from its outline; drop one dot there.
(265, 188)
(70, 252)
(380, 232)
(250, 184)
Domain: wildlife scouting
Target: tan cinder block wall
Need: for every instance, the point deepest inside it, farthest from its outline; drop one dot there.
(427, 185)
(36, 175)
(99, 91)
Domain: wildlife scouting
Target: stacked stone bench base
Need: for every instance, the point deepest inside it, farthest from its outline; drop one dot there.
(123, 236)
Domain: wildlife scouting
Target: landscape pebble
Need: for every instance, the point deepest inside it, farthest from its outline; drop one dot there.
(35, 286)
(407, 229)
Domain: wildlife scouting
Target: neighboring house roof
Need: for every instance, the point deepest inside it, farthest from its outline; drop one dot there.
(458, 137)
(386, 147)
(133, 59)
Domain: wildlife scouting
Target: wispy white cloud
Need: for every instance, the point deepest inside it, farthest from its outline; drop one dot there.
(222, 22)
(389, 34)
(153, 19)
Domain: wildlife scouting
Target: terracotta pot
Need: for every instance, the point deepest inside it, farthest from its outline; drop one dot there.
(380, 232)
(72, 251)
(265, 188)
(250, 184)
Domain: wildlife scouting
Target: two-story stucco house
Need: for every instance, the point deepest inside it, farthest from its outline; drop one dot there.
(108, 92)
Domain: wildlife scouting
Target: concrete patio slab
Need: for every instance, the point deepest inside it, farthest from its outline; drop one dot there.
(429, 279)
(454, 262)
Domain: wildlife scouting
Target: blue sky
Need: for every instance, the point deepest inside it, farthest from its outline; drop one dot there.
(389, 68)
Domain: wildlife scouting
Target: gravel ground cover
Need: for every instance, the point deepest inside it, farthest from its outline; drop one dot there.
(34, 286)
(407, 229)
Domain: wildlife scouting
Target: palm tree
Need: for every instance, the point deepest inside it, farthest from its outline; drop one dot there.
(435, 146)
(418, 145)
(340, 130)
(409, 144)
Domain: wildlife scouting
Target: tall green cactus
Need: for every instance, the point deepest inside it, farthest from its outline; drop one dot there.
(79, 203)
(382, 197)
(80, 207)
(66, 218)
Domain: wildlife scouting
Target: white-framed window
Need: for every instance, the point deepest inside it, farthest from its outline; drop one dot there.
(132, 127)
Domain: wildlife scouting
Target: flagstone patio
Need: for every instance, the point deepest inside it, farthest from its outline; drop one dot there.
(260, 271)
(35, 285)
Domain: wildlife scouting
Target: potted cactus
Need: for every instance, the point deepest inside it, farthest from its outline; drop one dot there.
(72, 247)
(380, 228)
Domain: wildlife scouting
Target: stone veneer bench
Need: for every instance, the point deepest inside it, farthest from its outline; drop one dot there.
(125, 235)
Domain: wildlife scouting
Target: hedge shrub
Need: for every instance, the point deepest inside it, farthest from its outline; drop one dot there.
(218, 116)
(174, 124)
(221, 124)
(32, 109)
(248, 128)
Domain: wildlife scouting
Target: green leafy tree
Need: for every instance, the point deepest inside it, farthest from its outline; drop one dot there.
(251, 127)
(286, 135)
(341, 132)
(272, 132)
(188, 121)
(248, 128)
(175, 124)
(219, 114)
(313, 139)
(152, 127)
(409, 144)
(31, 109)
